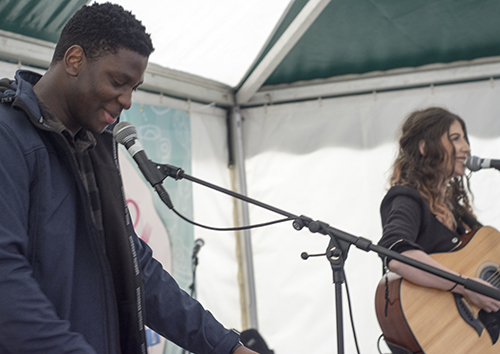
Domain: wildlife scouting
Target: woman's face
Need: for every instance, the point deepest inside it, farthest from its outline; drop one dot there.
(455, 141)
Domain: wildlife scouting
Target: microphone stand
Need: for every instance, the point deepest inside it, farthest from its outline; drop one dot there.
(194, 265)
(338, 247)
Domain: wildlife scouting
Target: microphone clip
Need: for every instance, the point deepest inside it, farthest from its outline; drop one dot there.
(174, 172)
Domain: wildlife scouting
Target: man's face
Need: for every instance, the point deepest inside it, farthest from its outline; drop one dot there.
(103, 88)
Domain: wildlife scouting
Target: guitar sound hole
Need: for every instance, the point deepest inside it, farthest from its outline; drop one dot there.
(490, 273)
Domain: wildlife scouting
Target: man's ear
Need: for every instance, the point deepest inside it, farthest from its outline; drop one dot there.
(74, 58)
(421, 146)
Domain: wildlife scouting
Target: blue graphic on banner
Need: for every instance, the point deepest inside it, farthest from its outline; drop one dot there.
(152, 337)
(165, 134)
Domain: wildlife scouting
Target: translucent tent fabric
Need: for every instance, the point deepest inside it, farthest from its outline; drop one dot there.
(216, 39)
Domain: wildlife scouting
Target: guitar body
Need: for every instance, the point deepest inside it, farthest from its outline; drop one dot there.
(427, 320)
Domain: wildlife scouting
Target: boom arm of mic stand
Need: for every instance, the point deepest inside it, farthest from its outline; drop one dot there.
(347, 239)
(367, 245)
(178, 173)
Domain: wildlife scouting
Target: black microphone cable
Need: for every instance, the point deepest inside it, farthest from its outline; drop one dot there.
(126, 134)
(239, 228)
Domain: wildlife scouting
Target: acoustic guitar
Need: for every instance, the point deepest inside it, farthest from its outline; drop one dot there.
(416, 319)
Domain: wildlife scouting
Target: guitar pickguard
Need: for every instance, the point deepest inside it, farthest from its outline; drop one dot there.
(491, 321)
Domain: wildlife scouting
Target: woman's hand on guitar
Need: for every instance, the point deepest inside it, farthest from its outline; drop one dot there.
(485, 302)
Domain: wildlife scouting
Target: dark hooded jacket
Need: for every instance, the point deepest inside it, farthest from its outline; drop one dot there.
(63, 289)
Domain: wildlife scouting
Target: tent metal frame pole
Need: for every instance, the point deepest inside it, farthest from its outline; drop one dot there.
(244, 243)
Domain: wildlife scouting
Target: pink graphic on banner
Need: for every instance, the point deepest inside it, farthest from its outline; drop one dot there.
(145, 232)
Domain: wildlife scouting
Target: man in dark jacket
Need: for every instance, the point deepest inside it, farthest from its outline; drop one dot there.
(74, 277)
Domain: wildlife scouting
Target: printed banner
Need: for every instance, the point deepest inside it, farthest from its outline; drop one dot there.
(166, 136)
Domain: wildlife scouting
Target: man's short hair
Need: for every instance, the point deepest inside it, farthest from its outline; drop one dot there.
(103, 29)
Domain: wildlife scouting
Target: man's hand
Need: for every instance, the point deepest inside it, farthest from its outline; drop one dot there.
(244, 350)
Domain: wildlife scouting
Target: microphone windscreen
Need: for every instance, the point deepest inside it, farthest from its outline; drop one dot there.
(124, 132)
(473, 163)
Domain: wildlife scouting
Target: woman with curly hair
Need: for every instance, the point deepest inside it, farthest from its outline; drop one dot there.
(427, 207)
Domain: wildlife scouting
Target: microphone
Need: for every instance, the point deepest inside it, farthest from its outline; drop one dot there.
(126, 134)
(475, 163)
(197, 245)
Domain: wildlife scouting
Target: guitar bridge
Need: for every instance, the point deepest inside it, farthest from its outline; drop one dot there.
(467, 314)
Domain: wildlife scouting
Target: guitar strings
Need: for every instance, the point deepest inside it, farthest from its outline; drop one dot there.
(494, 278)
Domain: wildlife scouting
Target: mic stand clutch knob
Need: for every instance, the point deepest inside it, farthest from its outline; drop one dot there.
(306, 255)
(300, 222)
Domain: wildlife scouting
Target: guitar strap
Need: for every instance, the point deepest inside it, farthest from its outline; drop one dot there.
(467, 218)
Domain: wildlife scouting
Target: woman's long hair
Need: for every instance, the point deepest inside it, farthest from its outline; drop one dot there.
(426, 172)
